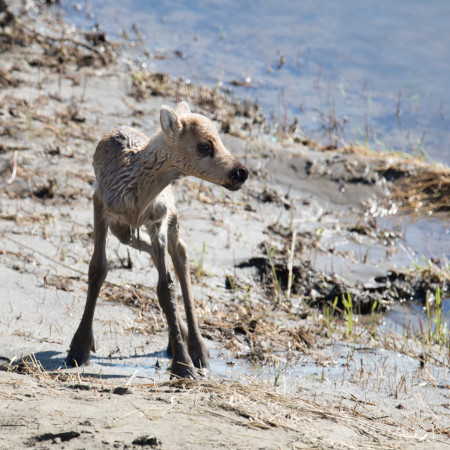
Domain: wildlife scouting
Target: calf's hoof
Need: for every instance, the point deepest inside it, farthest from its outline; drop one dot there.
(182, 366)
(179, 370)
(80, 349)
(199, 354)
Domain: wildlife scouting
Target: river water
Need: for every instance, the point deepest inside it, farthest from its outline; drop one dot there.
(380, 66)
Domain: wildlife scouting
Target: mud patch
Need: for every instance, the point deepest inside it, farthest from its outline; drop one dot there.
(147, 441)
(121, 390)
(319, 289)
(55, 438)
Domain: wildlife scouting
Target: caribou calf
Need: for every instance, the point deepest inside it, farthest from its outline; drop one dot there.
(133, 176)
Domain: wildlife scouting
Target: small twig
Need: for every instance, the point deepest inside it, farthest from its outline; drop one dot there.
(132, 378)
(14, 171)
(290, 264)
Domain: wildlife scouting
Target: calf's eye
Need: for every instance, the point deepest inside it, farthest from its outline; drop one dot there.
(205, 149)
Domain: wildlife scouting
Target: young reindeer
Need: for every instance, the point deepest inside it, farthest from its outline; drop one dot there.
(133, 176)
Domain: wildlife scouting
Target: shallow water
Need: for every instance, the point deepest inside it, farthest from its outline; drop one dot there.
(304, 59)
(410, 315)
(425, 237)
(375, 369)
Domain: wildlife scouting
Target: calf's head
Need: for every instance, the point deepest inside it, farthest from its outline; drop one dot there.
(196, 148)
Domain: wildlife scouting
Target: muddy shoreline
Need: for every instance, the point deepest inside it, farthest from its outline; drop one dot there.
(274, 268)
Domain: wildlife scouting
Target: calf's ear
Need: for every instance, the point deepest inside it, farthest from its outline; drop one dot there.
(182, 108)
(170, 123)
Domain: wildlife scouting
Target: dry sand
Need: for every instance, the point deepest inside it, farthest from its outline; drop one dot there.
(52, 113)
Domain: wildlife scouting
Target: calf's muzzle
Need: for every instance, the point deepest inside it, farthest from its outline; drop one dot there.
(239, 175)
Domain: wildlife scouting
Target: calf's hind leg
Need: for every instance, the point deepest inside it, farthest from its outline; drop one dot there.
(83, 340)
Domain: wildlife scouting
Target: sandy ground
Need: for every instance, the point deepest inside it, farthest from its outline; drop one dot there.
(51, 117)
(45, 414)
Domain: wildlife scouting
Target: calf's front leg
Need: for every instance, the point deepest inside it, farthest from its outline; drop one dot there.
(182, 365)
(197, 348)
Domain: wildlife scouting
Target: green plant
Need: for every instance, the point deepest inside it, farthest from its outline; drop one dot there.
(328, 312)
(441, 332)
(199, 265)
(436, 330)
(348, 312)
(428, 310)
(374, 316)
(276, 377)
(230, 282)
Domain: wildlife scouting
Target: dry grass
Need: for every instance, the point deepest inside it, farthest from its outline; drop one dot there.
(426, 191)
(418, 187)
(29, 365)
(264, 408)
(250, 403)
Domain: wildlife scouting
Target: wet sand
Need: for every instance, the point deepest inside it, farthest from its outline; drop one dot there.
(55, 104)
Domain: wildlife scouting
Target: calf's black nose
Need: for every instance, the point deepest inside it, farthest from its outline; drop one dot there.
(239, 174)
